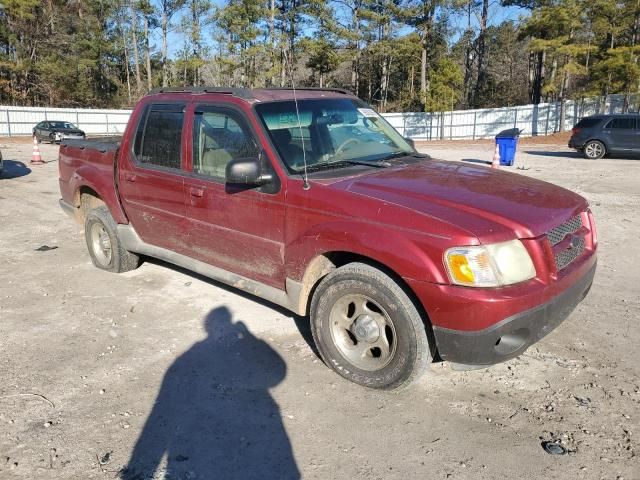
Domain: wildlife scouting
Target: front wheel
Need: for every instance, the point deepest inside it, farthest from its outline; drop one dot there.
(367, 329)
(594, 150)
(105, 248)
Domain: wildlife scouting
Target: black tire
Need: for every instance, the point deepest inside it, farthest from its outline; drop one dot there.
(594, 150)
(100, 228)
(411, 353)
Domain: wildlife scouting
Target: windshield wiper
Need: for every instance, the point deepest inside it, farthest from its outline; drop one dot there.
(393, 155)
(377, 163)
(346, 163)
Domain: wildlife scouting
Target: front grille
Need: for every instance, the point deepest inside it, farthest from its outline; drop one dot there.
(557, 234)
(565, 257)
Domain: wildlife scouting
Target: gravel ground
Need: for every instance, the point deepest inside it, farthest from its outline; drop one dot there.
(161, 368)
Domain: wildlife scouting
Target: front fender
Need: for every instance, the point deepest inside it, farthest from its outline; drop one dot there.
(410, 254)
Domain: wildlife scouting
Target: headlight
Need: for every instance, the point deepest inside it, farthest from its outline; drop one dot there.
(492, 265)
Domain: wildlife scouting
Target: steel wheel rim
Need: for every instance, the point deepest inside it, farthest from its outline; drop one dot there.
(593, 150)
(362, 332)
(101, 243)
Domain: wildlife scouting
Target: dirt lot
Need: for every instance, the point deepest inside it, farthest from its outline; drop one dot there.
(159, 367)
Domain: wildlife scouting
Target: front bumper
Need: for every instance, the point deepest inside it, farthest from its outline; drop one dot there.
(512, 336)
(61, 137)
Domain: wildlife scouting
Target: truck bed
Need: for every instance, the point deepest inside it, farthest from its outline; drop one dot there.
(89, 163)
(102, 144)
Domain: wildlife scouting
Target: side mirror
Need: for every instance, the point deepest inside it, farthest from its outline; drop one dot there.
(246, 171)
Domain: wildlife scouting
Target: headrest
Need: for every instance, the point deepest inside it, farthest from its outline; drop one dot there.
(282, 136)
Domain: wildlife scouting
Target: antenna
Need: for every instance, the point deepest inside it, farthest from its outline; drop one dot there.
(305, 178)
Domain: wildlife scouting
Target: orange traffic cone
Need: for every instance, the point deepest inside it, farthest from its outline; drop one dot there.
(495, 163)
(36, 158)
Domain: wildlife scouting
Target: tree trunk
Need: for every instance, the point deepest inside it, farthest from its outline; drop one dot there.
(468, 73)
(292, 37)
(428, 11)
(383, 83)
(126, 63)
(51, 17)
(539, 75)
(387, 79)
(147, 51)
(384, 73)
(563, 114)
(411, 75)
(369, 85)
(423, 74)
(272, 40)
(554, 69)
(482, 69)
(184, 68)
(355, 80)
(195, 40)
(284, 59)
(136, 58)
(165, 66)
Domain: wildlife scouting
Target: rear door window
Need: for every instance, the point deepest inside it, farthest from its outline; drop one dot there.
(158, 139)
(622, 123)
(588, 122)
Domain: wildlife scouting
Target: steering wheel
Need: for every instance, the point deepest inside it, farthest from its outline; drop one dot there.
(344, 145)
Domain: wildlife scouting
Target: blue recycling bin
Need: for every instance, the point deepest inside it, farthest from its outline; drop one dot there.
(507, 141)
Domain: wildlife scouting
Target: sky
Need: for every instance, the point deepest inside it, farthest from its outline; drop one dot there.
(458, 23)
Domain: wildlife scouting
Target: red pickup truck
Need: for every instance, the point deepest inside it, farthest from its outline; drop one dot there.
(311, 200)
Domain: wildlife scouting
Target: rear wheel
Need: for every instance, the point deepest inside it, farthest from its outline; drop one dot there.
(104, 246)
(594, 150)
(367, 329)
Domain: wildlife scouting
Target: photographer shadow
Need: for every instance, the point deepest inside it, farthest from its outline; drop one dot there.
(214, 416)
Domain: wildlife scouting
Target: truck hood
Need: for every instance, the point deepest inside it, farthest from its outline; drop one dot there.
(490, 204)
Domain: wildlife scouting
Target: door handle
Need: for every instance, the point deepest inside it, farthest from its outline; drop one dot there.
(196, 192)
(130, 177)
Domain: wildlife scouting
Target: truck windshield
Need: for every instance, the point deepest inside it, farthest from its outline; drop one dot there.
(330, 133)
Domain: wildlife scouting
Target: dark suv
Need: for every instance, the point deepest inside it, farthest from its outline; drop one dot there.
(601, 135)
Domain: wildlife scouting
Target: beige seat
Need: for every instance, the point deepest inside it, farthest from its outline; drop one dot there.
(214, 162)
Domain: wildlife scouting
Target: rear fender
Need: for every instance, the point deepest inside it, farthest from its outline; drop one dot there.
(95, 179)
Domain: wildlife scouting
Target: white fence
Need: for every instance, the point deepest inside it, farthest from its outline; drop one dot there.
(533, 120)
(16, 121)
